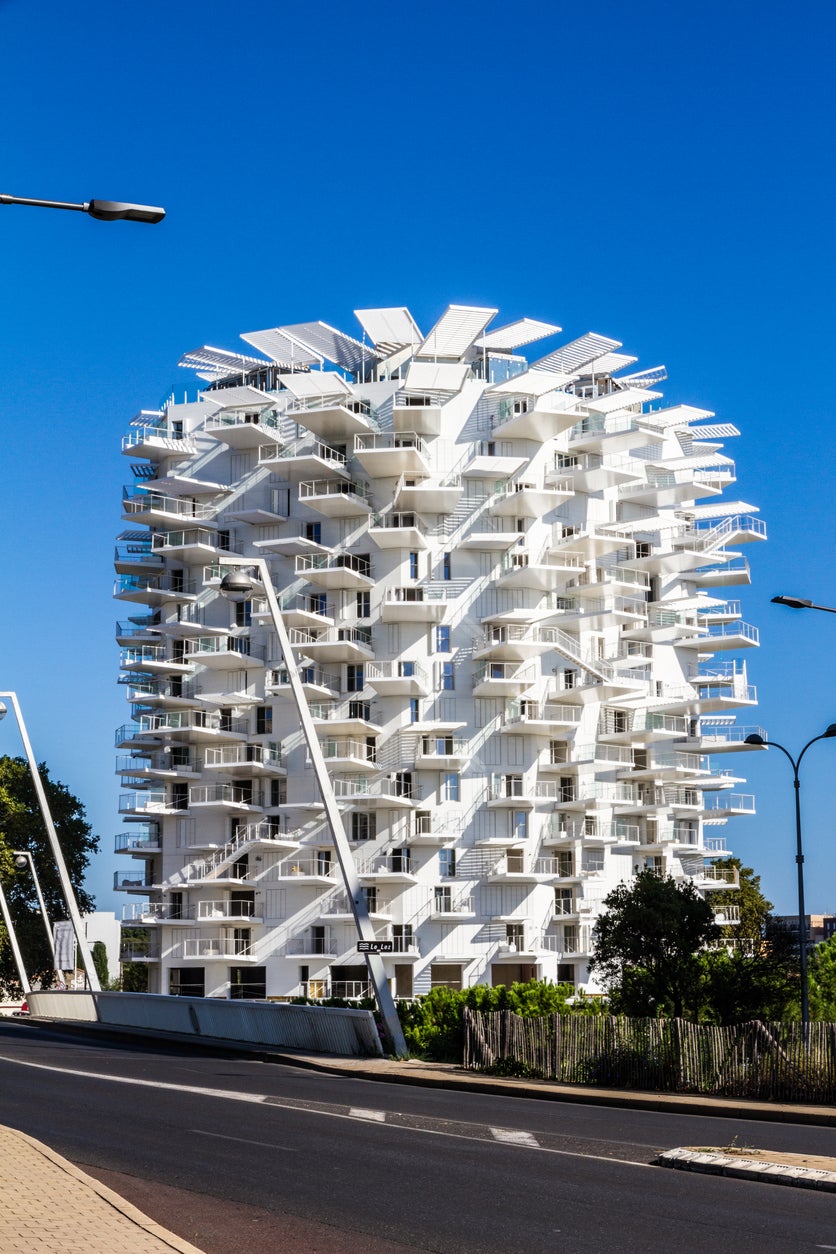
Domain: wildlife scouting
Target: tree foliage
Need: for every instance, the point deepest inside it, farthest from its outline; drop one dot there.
(648, 943)
(822, 972)
(21, 827)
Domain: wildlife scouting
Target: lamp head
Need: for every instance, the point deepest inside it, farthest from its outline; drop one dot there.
(754, 739)
(236, 585)
(795, 603)
(20, 861)
(3, 709)
(829, 731)
(113, 210)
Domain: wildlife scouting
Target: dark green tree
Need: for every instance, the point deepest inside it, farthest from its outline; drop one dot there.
(21, 827)
(647, 946)
(822, 968)
(100, 962)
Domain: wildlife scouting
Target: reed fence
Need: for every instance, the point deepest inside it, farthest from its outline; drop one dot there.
(768, 1061)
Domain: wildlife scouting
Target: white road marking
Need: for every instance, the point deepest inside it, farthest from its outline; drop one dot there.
(509, 1137)
(286, 1149)
(360, 1112)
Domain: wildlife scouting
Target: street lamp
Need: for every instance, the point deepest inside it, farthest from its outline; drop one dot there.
(10, 928)
(800, 603)
(24, 858)
(795, 763)
(104, 210)
(55, 844)
(238, 585)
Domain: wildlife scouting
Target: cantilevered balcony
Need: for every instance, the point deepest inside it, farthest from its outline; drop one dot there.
(154, 659)
(192, 544)
(442, 753)
(388, 455)
(226, 908)
(397, 793)
(428, 496)
(539, 718)
(339, 644)
(538, 418)
(399, 531)
(333, 417)
(156, 438)
(159, 765)
(245, 761)
(593, 472)
(728, 804)
(543, 571)
(307, 458)
(391, 868)
(340, 570)
(154, 589)
(503, 642)
(345, 718)
(435, 827)
(522, 498)
(561, 829)
(417, 413)
(502, 679)
(224, 652)
(450, 903)
(133, 555)
(350, 754)
(320, 870)
(416, 603)
(154, 508)
(141, 840)
(153, 803)
(509, 792)
(192, 726)
(336, 498)
(228, 947)
(614, 433)
(301, 609)
(140, 880)
(398, 679)
(317, 683)
(717, 637)
(228, 798)
(245, 430)
(489, 534)
(723, 735)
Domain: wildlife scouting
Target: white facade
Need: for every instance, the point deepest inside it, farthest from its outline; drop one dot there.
(504, 579)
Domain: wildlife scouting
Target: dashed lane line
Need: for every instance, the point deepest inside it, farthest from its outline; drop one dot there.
(462, 1130)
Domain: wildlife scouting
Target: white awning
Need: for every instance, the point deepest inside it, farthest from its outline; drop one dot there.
(389, 329)
(715, 431)
(680, 415)
(317, 383)
(455, 331)
(646, 378)
(240, 398)
(516, 334)
(723, 509)
(614, 401)
(333, 345)
(283, 348)
(578, 353)
(218, 363)
(429, 376)
(610, 363)
(532, 383)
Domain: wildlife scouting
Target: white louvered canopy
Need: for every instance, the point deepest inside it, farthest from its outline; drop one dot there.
(645, 378)
(282, 347)
(218, 363)
(532, 383)
(577, 353)
(516, 334)
(614, 401)
(722, 509)
(609, 363)
(429, 376)
(317, 383)
(389, 329)
(241, 398)
(680, 415)
(715, 431)
(455, 331)
(333, 345)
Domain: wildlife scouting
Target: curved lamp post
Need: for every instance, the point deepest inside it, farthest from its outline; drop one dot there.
(104, 210)
(795, 763)
(800, 603)
(238, 585)
(55, 845)
(24, 858)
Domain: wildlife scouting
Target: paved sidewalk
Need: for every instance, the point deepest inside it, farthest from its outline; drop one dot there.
(47, 1204)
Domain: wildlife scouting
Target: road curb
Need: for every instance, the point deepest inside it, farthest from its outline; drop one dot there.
(739, 1167)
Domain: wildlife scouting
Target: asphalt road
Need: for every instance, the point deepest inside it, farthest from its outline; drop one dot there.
(241, 1157)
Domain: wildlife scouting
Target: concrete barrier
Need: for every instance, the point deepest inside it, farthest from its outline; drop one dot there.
(318, 1029)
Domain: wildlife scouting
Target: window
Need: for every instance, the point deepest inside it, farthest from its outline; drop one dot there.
(363, 826)
(403, 784)
(447, 677)
(563, 901)
(323, 861)
(264, 720)
(370, 897)
(363, 602)
(445, 566)
(403, 937)
(248, 982)
(442, 899)
(360, 709)
(442, 639)
(413, 565)
(519, 825)
(224, 538)
(406, 670)
(414, 710)
(355, 680)
(451, 786)
(447, 863)
(278, 792)
(313, 532)
(243, 613)
(186, 982)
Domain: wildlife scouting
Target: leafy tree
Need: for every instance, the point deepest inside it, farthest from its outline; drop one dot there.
(648, 943)
(822, 972)
(21, 827)
(755, 910)
(100, 962)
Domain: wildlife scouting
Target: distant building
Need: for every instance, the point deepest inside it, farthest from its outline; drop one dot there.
(820, 927)
(503, 574)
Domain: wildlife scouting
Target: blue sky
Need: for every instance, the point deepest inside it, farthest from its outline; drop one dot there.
(659, 173)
